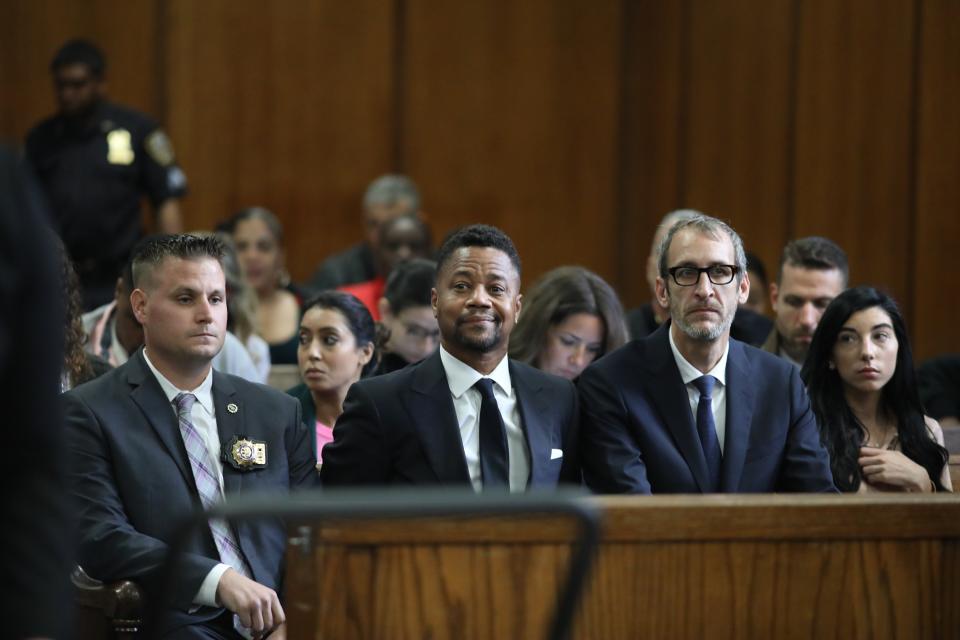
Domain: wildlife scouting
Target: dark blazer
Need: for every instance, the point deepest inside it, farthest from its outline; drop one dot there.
(132, 481)
(639, 435)
(401, 428)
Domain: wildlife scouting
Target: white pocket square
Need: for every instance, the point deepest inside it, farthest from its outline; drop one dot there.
(556, 453)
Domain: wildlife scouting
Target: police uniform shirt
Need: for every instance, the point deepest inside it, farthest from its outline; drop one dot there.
(94, 176)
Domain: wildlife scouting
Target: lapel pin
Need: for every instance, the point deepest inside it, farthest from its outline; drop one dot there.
(232, 408)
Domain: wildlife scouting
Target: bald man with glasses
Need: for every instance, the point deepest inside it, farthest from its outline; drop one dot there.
(688, 409)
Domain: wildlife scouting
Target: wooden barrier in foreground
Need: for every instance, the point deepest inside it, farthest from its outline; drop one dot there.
(776, 566)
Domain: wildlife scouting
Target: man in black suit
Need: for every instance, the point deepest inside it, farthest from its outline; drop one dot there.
(164, 433)
(688, 409)
(467, 415)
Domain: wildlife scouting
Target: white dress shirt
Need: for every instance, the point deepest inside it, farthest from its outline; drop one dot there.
(466, 403)
(689, 373)
(204, 419)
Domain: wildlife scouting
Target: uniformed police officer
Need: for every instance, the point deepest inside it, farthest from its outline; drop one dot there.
(95, 161)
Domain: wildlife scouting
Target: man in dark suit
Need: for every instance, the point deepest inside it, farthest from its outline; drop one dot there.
(689, 410)
(164, 434)
(467, 415)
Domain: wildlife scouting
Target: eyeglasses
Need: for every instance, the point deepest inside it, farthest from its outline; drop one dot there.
(717, 273)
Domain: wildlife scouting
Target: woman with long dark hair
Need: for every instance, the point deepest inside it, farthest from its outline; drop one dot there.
(571, 317)
(863, 389)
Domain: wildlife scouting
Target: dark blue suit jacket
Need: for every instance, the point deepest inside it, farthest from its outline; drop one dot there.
(401, 428)
(133, 483)
(639, 435)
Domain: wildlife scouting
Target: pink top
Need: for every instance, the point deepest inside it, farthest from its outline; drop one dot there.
(324, 436)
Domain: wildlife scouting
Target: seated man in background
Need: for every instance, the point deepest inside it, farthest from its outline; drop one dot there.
(401, 239)
(165, 434)
(688, 409)
(813, 271)
(748, 326)
(387, 197)
(467, 415)
(406, 312)
(114, 334)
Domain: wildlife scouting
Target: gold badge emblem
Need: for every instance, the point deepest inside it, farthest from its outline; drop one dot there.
(232, 408)
(245, 454)
(119, 149)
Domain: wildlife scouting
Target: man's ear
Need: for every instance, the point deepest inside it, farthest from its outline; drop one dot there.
(383, 305)
(774, 296)
(138, 301)
(744, 289)
(433, 301)
(663, 296)
(519, 303)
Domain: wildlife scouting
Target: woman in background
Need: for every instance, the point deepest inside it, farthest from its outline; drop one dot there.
(337, 346)
(863, 389)
(258, 236)
(571, 317)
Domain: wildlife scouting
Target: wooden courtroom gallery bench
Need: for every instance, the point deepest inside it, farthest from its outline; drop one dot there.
(773, 566)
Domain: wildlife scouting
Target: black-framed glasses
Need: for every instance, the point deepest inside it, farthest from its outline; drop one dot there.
(686, 276)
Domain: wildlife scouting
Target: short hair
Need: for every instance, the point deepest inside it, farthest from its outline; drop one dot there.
(358, 318)
(559, 294)
(390, 190)
(409, 284)
(477, 235)
(254, 213)
(754, 263)
(79, 51)
(671, 219)
(151, 253)
(706, 225)
(814, 252)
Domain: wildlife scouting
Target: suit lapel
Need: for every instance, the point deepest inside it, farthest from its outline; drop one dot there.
(148, 395)
(230, 424)
(533, 407)
(669, 394)
(435, 421)
(740, 399)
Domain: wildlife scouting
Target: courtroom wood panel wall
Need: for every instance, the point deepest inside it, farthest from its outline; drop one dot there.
(575, 126)
(669, 567)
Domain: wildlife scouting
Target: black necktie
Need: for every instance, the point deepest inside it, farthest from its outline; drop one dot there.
(707, 429)
(494, 468)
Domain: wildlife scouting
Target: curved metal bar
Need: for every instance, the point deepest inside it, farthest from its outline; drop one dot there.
(363, 504)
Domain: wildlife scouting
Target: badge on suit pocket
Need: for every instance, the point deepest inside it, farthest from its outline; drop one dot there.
(244, 454)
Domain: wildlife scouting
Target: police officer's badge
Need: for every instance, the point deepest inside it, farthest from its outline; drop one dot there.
(244, 454)
(119, 149)
(159, 147)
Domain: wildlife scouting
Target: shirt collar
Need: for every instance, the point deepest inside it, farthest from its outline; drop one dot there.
(204, 392)
(461, 376)
(689, 373)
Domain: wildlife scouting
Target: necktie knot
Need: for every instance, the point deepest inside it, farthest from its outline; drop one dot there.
(184, 403)
(704, 385)
(485, 387)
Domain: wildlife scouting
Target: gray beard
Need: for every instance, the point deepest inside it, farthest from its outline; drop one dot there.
(480, 345)
(703, 334)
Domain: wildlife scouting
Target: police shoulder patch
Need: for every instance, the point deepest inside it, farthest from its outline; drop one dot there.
(159, 147)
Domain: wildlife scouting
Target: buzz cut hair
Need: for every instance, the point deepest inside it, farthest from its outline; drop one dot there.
(79, 51)
(815, 252)
(709, 226)
(391, 190)
(150, 254)
(477, 235)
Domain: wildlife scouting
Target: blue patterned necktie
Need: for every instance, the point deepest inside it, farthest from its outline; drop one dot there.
(494, 465)
(707, 430)
(205, 475)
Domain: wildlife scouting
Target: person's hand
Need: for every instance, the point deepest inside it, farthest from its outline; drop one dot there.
(257, 606)
(892, 468)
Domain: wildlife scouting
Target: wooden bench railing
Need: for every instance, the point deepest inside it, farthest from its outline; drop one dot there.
(776, 566)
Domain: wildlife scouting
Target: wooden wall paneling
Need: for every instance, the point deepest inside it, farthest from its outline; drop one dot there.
(510, 118)
(649, 135)
(31, 31)
(937, 222)
(286, 105)
(737, 106)
(853, 134)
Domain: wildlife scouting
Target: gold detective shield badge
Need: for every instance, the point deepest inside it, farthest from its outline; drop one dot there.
(245, 454)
